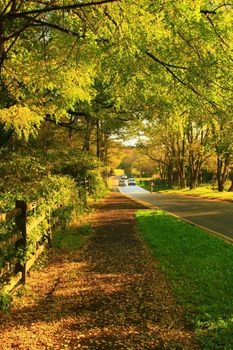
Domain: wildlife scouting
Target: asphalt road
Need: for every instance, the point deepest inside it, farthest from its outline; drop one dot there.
(210, 214)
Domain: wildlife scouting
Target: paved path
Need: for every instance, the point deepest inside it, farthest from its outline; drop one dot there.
(109, 296)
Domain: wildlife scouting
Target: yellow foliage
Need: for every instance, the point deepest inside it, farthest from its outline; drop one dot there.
(23, 120)
(77, 84)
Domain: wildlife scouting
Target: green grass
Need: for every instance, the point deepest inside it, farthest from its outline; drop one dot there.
(200, 269)
(203, 191)
(72, 237)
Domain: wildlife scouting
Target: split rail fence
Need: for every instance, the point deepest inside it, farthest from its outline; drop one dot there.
(14, 270)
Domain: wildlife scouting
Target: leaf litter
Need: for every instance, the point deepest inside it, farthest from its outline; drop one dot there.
(108, 295)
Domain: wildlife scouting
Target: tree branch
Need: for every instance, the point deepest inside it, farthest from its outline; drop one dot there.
(213, 12)
(216, 32)
(56, 8)
(68, 125)
(188, 86)
(206, 12)
(173, 74)
(79, 114)
(145, 149)
(38, 22)
(166, 65)
(156, 159)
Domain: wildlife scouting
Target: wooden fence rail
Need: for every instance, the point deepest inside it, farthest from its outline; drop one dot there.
(14, 271)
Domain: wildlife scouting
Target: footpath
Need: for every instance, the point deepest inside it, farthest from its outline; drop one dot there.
(108, 295)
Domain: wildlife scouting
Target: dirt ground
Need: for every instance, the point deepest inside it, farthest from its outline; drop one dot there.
(109, 295)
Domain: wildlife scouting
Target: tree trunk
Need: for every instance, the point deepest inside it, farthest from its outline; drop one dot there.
(182, 168)
(219, 175)
(231, 178)
(181, 175)
(170, 175)
(231, 187)
(195, 163)
(86, 139)
(2, 47)
(105, 152)
(97, 139)
(222, 168)
(191, 170)
(197, 173)
(199, 178)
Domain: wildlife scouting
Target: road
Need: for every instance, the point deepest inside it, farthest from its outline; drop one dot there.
(213, 215)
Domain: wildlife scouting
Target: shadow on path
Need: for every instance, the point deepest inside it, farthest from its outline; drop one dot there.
(110, 295)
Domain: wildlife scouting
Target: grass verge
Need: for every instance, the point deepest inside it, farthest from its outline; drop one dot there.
(203, 191)
(200, 269)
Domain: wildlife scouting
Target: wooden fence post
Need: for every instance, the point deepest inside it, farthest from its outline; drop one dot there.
(21, 222)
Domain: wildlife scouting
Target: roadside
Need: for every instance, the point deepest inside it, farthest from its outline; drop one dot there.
(108, 295)
(205, 192)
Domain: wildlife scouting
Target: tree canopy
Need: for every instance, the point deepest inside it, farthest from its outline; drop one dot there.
(105, 68)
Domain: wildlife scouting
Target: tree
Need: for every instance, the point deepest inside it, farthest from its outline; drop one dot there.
(34, 81)
(91, 68)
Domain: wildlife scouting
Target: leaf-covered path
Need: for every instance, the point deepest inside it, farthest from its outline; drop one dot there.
(110, 295)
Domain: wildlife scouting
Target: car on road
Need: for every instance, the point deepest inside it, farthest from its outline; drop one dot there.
(122, 182)
(131, 182)
(124, 177)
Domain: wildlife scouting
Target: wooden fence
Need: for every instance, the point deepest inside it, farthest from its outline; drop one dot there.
(14, 271)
